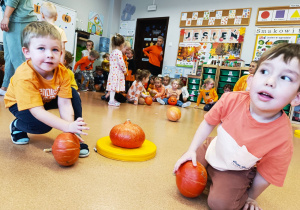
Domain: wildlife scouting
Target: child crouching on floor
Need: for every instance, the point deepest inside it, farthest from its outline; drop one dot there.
(136, 93)
(175, 92)
(37, 87)
(254, 145)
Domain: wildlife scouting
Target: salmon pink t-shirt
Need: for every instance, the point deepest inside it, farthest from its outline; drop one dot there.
(29, 89)
(242, 142)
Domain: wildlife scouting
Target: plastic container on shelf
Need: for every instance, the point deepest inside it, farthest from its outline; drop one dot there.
(192, 98)
(194, 81)
(222, 84)
(244, 72)
(228, 79)
(193, 87)
(205, 76)
(226, 72)
(287, 108)
(220, 90)
(209, 70)
(193, 92)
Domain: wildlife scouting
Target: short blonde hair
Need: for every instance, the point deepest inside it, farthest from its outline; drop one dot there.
(207, 81)
(49, 10)
(39, 29)
(175, 80)
(127, 44)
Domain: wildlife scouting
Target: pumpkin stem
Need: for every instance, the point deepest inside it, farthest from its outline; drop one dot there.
(127, 121)
(48, 150)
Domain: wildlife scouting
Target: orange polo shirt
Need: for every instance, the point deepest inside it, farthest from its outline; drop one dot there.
(153, 52)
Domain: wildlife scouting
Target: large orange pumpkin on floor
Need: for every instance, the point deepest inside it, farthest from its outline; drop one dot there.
(66, 149)
(191, 180)
(148, 100)
(172, 100)
(127, 135)
(173, 114)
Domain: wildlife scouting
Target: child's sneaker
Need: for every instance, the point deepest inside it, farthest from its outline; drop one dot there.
(117, 104)
(103, 97)
(186, 104)
(159, 100)
(18, 136)
(84, 150)
(84, 89)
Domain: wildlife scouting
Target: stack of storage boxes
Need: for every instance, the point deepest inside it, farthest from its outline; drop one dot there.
(227, 76)
(208, 72)
(193, 87)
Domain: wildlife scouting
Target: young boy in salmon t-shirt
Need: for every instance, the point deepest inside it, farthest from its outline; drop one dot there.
(254, 145)
(86, 67)
(42, 83)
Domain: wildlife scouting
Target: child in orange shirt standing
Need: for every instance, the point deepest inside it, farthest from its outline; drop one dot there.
(208, 93)
(42, 83)
(158, 91)
(86, 66)
(137, 93)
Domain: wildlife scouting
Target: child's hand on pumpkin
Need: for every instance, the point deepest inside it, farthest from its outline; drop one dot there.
(78, 126)
(189, 155)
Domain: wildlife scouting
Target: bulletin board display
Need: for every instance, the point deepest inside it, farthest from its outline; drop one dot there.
(66, 20)
(284, 15)
(226, 17)
(266, 41)
(205, 43)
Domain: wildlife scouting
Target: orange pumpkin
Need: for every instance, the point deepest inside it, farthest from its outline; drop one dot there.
(127, 135)
(210, 100)
(148, 100)
(191, 180)
(66, 149)
(37, 8)
(66, 18)
(173, 114)
(172, 100)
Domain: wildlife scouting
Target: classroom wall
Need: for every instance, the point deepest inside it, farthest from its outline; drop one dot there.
(173, 9)
(84, 7)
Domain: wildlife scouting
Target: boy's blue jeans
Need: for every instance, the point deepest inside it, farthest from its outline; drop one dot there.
(179, 103)
(28, 123)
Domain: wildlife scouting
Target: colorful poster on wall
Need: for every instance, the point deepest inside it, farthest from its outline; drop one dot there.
(282, 15)
(208, 43)
(95, 24)
(266, 41)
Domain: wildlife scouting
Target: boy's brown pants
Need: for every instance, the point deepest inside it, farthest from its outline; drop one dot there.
(229, 188)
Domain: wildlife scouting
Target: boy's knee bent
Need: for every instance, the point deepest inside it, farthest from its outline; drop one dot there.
(38, 129)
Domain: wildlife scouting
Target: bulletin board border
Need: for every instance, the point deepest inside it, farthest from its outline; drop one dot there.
(263, 23)
(244, 22)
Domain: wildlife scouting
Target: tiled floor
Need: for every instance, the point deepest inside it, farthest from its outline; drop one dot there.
(31, 179)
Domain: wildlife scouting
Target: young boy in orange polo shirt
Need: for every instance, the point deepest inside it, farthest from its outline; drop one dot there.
(42, 83)
(86, 66)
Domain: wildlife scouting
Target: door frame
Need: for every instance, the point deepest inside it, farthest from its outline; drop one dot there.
(138, 34)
